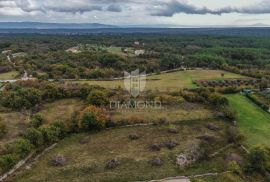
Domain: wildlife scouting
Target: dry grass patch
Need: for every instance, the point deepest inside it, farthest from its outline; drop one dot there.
(89, 161)
(61, 109)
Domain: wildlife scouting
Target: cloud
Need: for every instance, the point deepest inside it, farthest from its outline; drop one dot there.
(114, 8)
(72, 9)
(173, 7)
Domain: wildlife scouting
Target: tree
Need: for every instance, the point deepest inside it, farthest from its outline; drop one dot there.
(91, 118)
(34, 136)
(98, 98)
(258, 160)
(37, 120)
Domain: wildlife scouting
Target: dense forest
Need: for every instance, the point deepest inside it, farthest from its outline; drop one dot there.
(47, 56)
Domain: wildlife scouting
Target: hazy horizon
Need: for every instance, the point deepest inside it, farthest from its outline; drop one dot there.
(166, 13)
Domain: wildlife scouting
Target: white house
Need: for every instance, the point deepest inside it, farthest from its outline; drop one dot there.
(139, 52)
(6, 51)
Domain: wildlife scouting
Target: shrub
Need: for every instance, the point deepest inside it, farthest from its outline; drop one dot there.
(34, 136)
(157, 162)
(92, 118)
(97, 98)
(22, 147)
(7, 162)
(258, 160)
(37, 120)
(111, 164)
(49, 134)
(59, 160)
(234, 167)
(155, 147)
(171, 144)
(60, 128)
(229, 113)
(218, 100)
(3, 129)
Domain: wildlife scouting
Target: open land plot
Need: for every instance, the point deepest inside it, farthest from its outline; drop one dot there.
(9, 75)
(171, 81)
(16, 123)
(254, 122)
(169, 114)
(61, 110)
(86, 161)
(118, 50)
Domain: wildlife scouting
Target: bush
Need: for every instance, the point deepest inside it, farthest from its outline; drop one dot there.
(34, 136)
(218, 100)
(229, 113)
(21, 147)
(37, 120)
(111, 164)
(97, 98)
(60, 128)
(7, 162)
(92, 118)
(234, 167)
(258, 160)
(3, 129)
(49, 134)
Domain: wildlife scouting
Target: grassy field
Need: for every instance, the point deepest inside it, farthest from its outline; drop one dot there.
(171, 81)
(87, 161)
(16, 123)
(167, 113)
(61, 110)
(9, 75)
(118, 51)
(254, 123)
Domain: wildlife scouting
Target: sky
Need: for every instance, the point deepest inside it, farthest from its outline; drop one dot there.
(173, 13)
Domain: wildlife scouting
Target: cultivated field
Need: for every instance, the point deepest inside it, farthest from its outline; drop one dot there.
(9, 75)
(171, 81)
(253, 122)
(87, 160)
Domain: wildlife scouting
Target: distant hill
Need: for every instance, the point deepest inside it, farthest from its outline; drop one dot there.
(39, 25)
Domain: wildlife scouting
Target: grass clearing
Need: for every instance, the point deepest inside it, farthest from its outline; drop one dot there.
(254, 123)
(9, 75)
(87, 161)
(16, 123)
(170, 114)
(171, 81)
(61, 109)
(118, 50)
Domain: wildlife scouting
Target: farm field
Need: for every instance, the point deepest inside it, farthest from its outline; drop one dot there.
(253, 122)
(87, 160)
(171, 81)
(9, 75)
